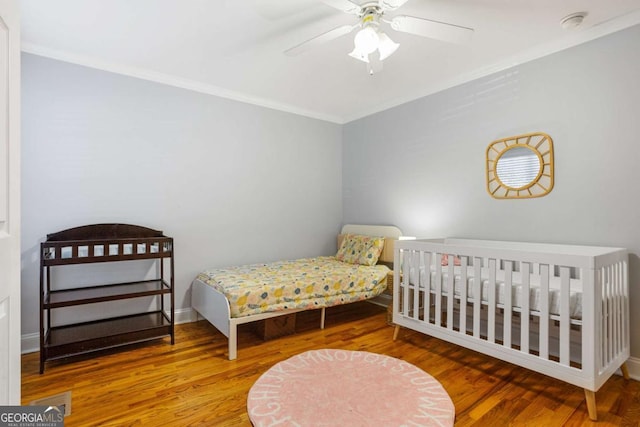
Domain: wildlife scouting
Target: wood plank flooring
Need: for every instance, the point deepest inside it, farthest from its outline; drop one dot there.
(193, 384)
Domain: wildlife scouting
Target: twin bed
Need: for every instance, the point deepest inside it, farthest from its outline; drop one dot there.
(228, 297)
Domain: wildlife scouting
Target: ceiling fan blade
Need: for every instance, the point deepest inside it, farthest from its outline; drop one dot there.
(391, 4)
(432, 29)
(344, 5)
(322, 38)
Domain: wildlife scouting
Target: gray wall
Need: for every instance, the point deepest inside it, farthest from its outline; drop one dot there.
(420, 166)
(230, 182)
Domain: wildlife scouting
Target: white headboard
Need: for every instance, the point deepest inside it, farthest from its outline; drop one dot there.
(372, 230)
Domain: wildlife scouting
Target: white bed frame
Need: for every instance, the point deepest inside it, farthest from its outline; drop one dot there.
(584, 352)
(214, 306)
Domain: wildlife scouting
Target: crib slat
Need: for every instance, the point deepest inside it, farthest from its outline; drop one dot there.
(406, 281)
(524, 316)
(609, 315)
(620, 307)
(614, 303)
(592, 319)
(426, 294)
(605, 316)
(450, 289)
(601, 320)
(491, 298)
(621, 297)
(616, 309)
(438, 289)
(397, 288)
(477, 295)
(625, 305)
(544, 311)
(463, 295)
(417, 285)
(626, 314)
(508, 281)
(564, 315)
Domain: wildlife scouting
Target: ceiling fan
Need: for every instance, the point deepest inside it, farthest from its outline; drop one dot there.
(372, 45)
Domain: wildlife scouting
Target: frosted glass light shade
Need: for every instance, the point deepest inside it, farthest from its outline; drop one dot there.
(367, 40)
(386, 46)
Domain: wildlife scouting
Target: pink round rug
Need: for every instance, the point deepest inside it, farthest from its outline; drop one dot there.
(348, 388)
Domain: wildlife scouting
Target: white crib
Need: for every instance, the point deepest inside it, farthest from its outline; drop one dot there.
(559, 310)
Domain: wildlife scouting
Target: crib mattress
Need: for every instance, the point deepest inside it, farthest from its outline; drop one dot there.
(517, 293)
(305, 283)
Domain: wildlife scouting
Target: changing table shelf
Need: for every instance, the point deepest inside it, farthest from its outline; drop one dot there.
(63, 341)
(101, 243)
(90, 295)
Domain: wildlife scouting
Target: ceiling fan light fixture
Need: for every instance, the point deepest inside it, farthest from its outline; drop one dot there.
(367, 40)
(386, 47)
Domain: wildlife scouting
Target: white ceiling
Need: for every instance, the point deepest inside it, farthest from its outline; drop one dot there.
(233, 48)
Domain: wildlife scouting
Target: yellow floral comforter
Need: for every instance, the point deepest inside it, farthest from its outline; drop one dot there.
(302, 284)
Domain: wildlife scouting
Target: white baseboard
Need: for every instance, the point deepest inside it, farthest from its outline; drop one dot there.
(185, 315)
(30, 343)
(633, 365)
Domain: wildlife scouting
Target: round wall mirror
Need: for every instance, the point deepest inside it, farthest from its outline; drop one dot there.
(518, 167)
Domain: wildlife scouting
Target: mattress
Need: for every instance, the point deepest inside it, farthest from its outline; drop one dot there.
(305, 283)
(517, 293)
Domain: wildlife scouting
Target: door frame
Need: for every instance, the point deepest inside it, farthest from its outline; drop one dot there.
(10, 321)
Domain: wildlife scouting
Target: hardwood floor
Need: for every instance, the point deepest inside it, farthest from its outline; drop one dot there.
(193, 383)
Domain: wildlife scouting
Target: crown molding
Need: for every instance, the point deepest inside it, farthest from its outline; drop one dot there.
(171, 80)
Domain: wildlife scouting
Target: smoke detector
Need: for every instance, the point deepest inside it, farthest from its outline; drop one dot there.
(573, 21)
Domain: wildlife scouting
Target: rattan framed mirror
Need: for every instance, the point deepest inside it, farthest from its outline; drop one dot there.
(520, 167)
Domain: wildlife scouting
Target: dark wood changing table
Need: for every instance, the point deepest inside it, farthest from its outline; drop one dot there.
(101, 243)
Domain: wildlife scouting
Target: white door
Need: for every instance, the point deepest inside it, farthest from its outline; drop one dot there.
(9, 203)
